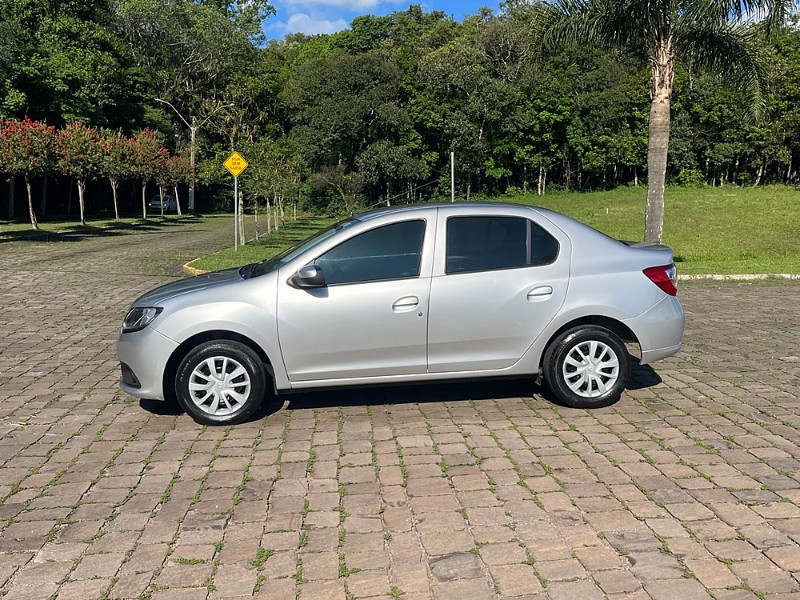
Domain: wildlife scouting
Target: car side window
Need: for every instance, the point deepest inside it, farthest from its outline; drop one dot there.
(388, 252)
(491, 243)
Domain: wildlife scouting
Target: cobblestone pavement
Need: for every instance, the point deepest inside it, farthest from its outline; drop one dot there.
(688, 488)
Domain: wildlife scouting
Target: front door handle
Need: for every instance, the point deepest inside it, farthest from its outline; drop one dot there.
(405, 304)
(540, 293)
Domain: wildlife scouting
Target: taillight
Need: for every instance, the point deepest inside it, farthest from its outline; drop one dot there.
(665, 277)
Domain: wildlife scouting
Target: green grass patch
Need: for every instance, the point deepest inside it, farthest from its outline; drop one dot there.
(726, 230)
(288, 235)
(711, 230)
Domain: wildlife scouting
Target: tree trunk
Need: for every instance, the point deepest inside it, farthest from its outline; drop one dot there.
(81, 206)
(177, 200)
(658, 144)
(255, 217)
(34, 222)
(114, 184)
(760, 172)
(43, 198)
(144, 201)
(539, 183)
(161, 198)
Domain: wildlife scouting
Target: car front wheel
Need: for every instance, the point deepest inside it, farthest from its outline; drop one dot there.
(220, 383)
(587, 367)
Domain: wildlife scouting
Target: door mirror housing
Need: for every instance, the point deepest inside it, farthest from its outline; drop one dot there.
(308, 277)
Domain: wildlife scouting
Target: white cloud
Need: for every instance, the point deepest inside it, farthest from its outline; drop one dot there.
(303, 23)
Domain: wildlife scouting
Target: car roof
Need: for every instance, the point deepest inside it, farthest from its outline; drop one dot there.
(410, 208)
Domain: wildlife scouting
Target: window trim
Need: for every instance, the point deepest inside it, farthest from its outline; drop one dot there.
(528, 244)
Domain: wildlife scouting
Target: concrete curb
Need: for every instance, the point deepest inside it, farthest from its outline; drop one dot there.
(742, 277)
(191, 270)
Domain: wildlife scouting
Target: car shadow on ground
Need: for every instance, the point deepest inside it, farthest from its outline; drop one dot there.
(467, 390)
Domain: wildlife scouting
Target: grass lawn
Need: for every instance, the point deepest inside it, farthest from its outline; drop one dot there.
(711, 230)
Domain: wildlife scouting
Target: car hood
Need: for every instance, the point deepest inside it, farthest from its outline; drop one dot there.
(184, 286)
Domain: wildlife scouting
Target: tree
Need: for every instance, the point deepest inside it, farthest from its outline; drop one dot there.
(79, 154)
(178, 170)
(147, 157)
(706, 34)
(26, 148)
(116, 161)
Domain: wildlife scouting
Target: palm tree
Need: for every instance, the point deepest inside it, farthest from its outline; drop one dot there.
(713, 34)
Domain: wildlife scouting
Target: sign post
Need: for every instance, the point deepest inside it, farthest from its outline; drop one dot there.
(235, 165)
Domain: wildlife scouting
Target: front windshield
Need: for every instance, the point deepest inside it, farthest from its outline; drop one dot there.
(270, 264)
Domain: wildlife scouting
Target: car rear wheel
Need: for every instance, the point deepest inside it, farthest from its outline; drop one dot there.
(220, 383)
(587, 367)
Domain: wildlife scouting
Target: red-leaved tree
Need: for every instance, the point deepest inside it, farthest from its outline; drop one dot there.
(27, 148)
(147, 157)
(117, 161)
(79, 154)
(179, 170)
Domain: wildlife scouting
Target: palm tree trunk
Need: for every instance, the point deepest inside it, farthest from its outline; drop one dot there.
(663, 72)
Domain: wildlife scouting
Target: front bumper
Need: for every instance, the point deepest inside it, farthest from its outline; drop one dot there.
(145, 354)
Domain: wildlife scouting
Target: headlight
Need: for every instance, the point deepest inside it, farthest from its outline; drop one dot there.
(139, 317)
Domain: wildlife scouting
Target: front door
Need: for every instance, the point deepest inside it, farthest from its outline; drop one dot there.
(370, 319)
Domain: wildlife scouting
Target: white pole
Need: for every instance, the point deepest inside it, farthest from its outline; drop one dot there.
(235, 213)
(452, 177)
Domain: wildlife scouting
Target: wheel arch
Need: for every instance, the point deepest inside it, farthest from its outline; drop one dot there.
(615, 326)
(171, 369)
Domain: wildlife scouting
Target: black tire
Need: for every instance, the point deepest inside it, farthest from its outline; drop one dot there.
(223, 386)
(565, 379)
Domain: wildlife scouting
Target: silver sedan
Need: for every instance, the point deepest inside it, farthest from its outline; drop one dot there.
(409, 294)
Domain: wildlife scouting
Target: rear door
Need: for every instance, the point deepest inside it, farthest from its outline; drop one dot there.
(498, 280)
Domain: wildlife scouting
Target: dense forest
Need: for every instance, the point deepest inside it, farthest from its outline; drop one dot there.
(370, 115)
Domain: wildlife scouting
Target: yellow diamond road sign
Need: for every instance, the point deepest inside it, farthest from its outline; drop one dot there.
(235, 164)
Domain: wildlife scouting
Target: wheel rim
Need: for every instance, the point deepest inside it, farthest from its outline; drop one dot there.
(219, 386)
(591, 369)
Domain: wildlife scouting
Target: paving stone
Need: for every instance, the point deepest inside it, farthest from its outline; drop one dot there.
(689, 451)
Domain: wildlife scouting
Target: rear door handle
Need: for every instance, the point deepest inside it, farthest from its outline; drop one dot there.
(405, 304)
(540, 293)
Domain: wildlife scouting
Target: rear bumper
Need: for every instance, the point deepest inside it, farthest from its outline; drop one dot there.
(145, 354)
(659, 329)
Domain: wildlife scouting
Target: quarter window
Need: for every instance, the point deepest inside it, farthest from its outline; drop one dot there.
(491, 243)
(389, 252)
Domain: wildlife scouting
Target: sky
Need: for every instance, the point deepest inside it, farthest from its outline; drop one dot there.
(328, 16)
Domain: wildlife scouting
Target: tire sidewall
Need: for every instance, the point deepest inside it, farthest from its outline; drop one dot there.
(560, 348)
(231, 349)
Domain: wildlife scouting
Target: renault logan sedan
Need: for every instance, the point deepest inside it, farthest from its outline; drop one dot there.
(409, 294)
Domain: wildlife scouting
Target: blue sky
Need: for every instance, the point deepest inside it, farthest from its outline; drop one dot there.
(328, 16)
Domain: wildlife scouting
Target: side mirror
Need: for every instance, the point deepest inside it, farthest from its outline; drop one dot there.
(307, 277)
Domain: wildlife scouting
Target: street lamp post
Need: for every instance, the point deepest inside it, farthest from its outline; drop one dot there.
(192, 138)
